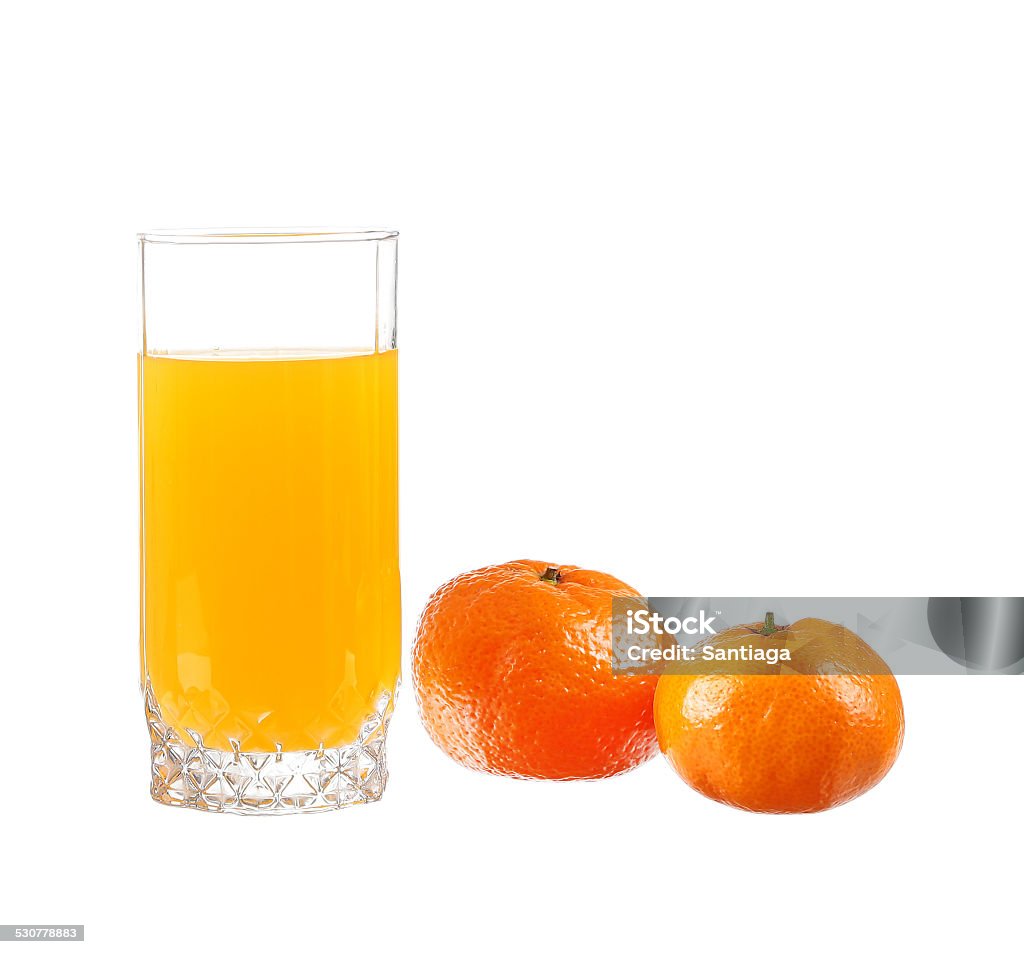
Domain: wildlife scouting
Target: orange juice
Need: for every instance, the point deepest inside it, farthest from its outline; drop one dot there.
(270, 552)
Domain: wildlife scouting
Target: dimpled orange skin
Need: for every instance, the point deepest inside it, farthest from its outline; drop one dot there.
(783, 743)
(513, 675)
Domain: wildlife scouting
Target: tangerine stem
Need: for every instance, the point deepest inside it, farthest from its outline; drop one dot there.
(551, 575)
(769, 627)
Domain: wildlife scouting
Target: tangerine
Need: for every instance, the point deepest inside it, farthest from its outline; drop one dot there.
(801, 735)
(512, 669)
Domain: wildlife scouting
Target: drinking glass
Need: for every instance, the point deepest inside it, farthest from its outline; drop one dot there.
(270, 620)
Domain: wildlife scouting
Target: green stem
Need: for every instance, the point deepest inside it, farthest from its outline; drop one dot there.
(551, 575)
(769, 627)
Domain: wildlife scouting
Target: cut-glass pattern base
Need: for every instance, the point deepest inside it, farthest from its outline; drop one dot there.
(191, 775)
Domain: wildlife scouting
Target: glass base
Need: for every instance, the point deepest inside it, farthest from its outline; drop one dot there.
(191, 775)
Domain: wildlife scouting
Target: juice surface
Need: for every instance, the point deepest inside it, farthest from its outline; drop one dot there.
(270, 545)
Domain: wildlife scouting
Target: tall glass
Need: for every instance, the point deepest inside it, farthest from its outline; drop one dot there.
(269, 493)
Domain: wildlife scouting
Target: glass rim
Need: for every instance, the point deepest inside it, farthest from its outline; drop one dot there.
(265, 236)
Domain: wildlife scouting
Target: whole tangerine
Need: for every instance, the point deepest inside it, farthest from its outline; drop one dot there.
(798, 736)
(513, 673)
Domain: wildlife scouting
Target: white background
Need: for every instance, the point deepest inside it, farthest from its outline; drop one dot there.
(712, 296)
